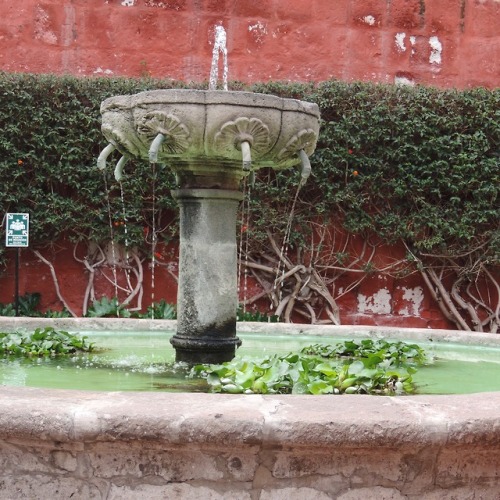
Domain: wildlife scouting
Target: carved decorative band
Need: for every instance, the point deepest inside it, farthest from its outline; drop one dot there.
(122, 141)
(305, 139)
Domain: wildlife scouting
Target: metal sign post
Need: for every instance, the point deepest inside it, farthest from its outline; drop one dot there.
(17, 235)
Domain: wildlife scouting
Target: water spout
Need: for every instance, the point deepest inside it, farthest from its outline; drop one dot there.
(251, 178)
(219, 46)
(101, 160)
(246, 155)
(155, 147)
(306, 167)
(119, 168)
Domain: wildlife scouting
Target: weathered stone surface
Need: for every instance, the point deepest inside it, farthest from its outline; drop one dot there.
(468, 465)
(32, 486)
(293, 494)
(208, 289)
(464, 493)
(137, 461)
(203, 130)
(175, 492)
(223, 446)
(375, 493)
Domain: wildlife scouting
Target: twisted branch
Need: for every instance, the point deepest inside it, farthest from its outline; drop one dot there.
(56, 282)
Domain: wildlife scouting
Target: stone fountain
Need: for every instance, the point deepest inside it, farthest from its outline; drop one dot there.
(81, 444)
(211, 140)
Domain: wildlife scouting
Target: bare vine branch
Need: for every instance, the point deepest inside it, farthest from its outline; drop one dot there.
(56, 282)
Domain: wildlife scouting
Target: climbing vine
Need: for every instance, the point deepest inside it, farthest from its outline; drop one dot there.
(418, 166)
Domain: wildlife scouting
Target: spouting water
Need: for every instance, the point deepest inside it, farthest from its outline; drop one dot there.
(220, 47)
(305, 172)
(282, 257)
(125, 232)
(153, 242)
(111, 235)
(244, 240)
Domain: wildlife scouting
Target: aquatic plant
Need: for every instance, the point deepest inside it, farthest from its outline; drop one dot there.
(28, 305)
(42, 342)
(366, 367)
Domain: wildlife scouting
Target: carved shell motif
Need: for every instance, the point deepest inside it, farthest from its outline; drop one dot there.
(251, 130)
(305, 139)
(177, 135)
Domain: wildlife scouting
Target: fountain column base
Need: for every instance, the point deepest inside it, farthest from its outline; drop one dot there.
(207, 297)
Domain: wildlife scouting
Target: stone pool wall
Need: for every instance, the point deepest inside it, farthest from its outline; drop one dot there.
(81, 445)
(379, 300)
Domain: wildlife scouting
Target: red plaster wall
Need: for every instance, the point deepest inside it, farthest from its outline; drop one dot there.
(438, 42)
(73, 277)
(378, 300)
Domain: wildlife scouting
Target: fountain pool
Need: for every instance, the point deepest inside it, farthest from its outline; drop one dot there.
(142, 361)
(130, 444)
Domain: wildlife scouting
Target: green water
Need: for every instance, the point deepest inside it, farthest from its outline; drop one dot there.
(136, 361)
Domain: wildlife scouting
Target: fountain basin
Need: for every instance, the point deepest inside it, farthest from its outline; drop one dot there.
(58, 443)
(203, 131)
(142, 360)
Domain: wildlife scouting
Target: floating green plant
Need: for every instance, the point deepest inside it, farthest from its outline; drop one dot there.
(365, 367)
(42, 342)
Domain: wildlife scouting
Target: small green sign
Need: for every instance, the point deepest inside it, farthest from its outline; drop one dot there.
(17, 230)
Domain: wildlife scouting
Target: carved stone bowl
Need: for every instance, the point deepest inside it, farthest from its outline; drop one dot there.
(202, 132)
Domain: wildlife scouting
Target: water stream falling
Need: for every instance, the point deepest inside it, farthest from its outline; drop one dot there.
(112, 237)
(244, 241)
(125, 232)
(281, 268)
(220, 47)
(153, 241)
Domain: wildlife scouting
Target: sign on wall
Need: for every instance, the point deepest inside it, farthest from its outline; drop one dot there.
(17, 230)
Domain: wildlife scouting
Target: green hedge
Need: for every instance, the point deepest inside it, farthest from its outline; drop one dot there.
(414, 164)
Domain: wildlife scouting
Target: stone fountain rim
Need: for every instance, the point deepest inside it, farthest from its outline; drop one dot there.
(292, 329)
(214, 97)
(198, 418)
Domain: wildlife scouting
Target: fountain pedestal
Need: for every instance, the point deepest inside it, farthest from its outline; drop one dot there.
(211, 140)
(207, 294)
